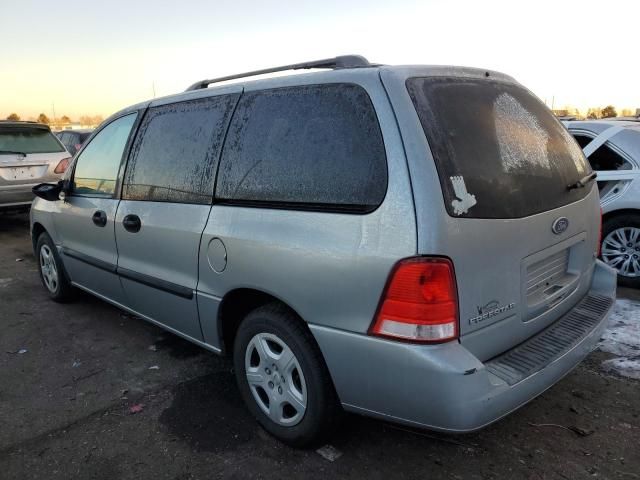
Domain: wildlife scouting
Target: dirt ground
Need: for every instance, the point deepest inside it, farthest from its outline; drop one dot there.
(65, 408)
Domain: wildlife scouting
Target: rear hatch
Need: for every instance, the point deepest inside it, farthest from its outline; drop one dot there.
(28, 154)
(522, 243)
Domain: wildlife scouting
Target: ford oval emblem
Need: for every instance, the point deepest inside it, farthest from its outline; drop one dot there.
(560, 225)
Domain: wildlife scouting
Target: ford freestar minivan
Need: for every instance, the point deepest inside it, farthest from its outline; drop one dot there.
(417, 244)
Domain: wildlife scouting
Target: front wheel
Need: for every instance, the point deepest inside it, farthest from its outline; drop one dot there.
(283, 378)
(621, 247)
(51, 270)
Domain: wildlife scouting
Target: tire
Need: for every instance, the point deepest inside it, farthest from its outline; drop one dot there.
(620, 247)
(306, 405)
(51, 269)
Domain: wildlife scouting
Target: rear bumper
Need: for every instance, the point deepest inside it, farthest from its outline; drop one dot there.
(444, 387)
(16, 195)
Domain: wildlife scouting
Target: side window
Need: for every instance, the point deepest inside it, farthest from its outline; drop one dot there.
(67, 140)
(64, 138)
(97, 168)
(312, 147)
(175, 154)
(604, 158)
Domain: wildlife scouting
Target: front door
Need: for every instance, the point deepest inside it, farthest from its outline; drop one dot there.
(85, 221)
(166, 200)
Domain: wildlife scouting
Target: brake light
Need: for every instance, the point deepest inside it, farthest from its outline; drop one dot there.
(420, 302)
(62, 165)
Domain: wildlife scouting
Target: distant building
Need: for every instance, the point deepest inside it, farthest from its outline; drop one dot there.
(70, 126)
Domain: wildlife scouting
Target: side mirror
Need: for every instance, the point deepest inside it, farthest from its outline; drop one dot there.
(48, 191)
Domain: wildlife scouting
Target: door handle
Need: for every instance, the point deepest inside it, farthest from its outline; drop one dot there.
(99, 218)
(132, 223)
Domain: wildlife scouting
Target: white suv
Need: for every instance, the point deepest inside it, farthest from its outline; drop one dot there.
(613, 149)
(29, 154)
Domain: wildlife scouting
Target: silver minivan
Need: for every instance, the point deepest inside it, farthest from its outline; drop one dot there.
(417, 244)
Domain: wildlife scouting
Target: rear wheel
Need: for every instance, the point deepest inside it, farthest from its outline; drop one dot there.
(621, 248)
(282, 376)
(51, 270)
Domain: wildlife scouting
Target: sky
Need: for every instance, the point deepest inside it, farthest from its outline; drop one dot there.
(94, 58)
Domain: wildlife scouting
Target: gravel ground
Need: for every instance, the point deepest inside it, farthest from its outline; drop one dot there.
(65, 407)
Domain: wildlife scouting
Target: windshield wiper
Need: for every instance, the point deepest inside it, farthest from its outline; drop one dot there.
(583, 182)
(12, 152)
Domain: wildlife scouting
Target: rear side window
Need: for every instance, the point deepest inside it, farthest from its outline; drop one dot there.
(499, 151)
(173, 157)
(28, 140)
(313, 147)
(604, 158)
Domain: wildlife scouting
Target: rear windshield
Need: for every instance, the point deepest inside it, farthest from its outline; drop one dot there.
(500, 153)
(28, 140)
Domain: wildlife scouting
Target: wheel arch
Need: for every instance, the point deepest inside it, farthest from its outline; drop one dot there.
(619, 213)
(36, 230)
(235, 306)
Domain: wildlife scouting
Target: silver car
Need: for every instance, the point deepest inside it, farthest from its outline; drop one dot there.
(29, 154)
(613, 149)
(416, 244)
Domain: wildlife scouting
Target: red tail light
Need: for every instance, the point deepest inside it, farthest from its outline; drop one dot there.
(420, 302)
(62, 165)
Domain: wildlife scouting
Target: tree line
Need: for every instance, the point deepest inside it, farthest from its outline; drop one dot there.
(63, 120)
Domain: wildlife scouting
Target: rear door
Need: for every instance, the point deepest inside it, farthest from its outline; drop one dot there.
(616, 166)
(85, 220)
(166, 200)
(523, 243)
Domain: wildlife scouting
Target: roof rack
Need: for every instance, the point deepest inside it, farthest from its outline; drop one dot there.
(344, 61)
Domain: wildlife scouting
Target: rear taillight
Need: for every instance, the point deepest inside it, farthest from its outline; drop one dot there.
(62, 165)
(600, 235)
(420, 302)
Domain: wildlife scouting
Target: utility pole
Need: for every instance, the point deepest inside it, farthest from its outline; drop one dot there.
(53, 109)
(153, 87)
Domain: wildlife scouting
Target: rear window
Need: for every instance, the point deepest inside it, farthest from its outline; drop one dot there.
(28, 140)
(499, 151)
(315, 147)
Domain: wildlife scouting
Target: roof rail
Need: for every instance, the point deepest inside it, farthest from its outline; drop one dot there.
(344, 61)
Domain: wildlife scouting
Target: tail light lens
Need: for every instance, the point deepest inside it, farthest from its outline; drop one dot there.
(62, 165)
(420, 302)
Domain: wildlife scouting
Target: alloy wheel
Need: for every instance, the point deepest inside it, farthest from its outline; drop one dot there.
(621, 250)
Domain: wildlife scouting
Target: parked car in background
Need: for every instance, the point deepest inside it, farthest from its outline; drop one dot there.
(613, 149)
(73, 139)
(351, 237)
(29, 154)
